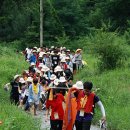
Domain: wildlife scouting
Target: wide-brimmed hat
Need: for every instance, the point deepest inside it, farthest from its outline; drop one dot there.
(45, 68)
(45, 76)
(32, 63)
(62, 79)
(63, 60)
(78, 50)
(21, 80)
(16, 76)
(78, 85)
(53, 77)
(29, 79)
(56, 82)
(58, 68)
(41, 65)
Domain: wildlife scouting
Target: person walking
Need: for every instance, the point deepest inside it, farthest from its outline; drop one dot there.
(85, 107)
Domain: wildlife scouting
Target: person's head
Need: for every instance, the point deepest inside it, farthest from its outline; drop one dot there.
(16, 78)
(35, 81)
(88, 87)
(43, 82)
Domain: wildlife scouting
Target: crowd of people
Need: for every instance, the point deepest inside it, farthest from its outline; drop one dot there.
(49, 82)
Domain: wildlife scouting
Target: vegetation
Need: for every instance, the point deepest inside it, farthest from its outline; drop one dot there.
(13, 118)
(100, 27)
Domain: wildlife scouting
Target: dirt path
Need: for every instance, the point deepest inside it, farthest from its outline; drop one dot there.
(46, 125)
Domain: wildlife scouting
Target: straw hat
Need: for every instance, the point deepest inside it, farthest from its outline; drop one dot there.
(62, 79)
(32, 63)
(78, 50)
(41, 65)
(58, 68)
(16, 76)
(78, 85)
(63, 60)
(53, 77)
(45, 68)
(29, 79)
(56, 82)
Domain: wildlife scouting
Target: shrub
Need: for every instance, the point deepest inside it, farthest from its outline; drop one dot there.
(109, 49)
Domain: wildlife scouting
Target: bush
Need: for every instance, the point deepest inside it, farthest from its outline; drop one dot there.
(110, 51)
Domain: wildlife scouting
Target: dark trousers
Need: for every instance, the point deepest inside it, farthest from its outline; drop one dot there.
(82, 125)
(56, 124)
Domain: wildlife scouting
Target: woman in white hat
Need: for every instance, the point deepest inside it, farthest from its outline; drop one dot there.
(59, 72)
(52, 78)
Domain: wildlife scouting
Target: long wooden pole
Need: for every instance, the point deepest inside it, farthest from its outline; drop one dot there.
(41, 23)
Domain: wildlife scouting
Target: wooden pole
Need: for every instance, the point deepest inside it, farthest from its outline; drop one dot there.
(41, 23)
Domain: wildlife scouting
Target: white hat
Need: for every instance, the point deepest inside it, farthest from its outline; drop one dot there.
(78, 85)
(29, 79)
(22, 80)
(53, 77)
(40, 56)
(34, 51)
(62, 79)
(38, 71)
(63, 60)
(41, 65)
(16, 76)
(58, 68)
(46, 77)
(56, 82)
(35, 47)
(32, 63)
(52, 47)
(45, 68)
(52, 53)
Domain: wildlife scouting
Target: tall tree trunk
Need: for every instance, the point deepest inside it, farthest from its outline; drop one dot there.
(41, 23)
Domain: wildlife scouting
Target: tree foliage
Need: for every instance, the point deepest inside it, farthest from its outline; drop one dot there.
(19, 19)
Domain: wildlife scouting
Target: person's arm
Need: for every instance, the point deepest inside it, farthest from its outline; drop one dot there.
(99, 103)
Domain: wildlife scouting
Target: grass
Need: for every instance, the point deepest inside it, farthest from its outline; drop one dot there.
(114, 92)
(13, 118)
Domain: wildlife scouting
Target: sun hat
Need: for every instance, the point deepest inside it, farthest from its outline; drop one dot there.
(53, 77)
(41, 65)
(62, 60)
(34, 51)
(21, 80)
(29, 79)
(78, 50)
(78, 85)
(58, 68)
(45, 76)
(32, 63)
(38, 71)
(16, 76)
(62, 79)
(56, 82)
(45, 68)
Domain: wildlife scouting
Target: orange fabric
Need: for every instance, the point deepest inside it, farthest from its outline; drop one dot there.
(90, 103)
(86, 103)
(51, 95)
(70, 111)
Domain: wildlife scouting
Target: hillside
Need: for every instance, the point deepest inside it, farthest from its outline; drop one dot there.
(12, 118)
